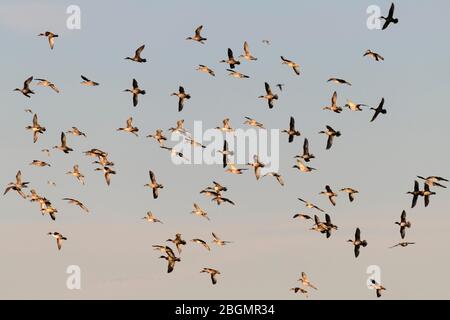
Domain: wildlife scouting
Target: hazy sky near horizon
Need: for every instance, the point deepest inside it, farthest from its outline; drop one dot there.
(112, 245)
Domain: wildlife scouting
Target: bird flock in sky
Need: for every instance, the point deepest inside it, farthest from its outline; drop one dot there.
(217, 192)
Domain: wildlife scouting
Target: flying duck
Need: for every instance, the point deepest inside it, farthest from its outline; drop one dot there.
(303, 167)
(213, 273)
(178, 242)
(253, 123)
(77, 174)
(63, 147)
(218, 198)
(307, 156)
(358, 242)
(373, 55)
(46, 83)
(433, 181)
(205, 69)
(129, 128)
(291, 132)
(269, 95)
(331, 133)
(181, 97)
(158, 136)
(179, 128)
(378, 110)
(277, 176)
(226, 126)
(295, 66)
(107, 171)
(218, 241)
(237, 75)
(426, 194)
(198, 211)
(378, 287)
(39, 163)
(153, 184)
(390, 18)
(135, 91)
(51, 38)
(334, 107)
(150, 217)
(26, 91)
(309, 205)
(36, 128)
(76, 132)
(137, 55)
(233, 169)
(257, 165)
(402, 244)
(354, 106)
(198, 37)
(87, 82)
(305, 281)
(18, 185)
(415, 193)
(339, 81)
(225, 153)
(299, 290)
(330, 194)
(231, 61)
(202, 242)
(247, 55)
(301, 216)
(175, 152)
(350, 192)
(403, 224)
(59, 238)
(77, 203)
(171, 259)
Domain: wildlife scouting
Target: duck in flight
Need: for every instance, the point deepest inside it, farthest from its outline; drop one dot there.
(225, 153)
(150, 217)
(331, 133)
(257, 165)
(226, 126)
(87, 82)
(63, 147)
(269, 96)
(354, 106)
(402, 244)
(182, 95)
(307, 156)
(59, 238)
(39, 163)
(277, 176)
(301, 216)
(378, 287)
(339, 81)
(137, 55)
(324, 227)
(374, 55)
(77, 132)
(233, 169)
(36, 128)
(129, 128)
(415, 193)
(219, 241)
(107, 172)
(198, 211)
(136, 91)
(18, 185)
(77, 174)
(212, 272)
(202, 242)
(403, 223)
(154, 184)
(238, 75)
(310, 205)
(174, 152)
(231, 61)
(205, 69)
(390, 18)
(433, 181)
(426, 194)
(179, 128)
(292, 132)
(197, 36)
(350, 192)
(247, 55)
(357, 242)
(218, 198)
(178, 242)
(217, 187)
(158, 136)
(303, 167)
(77, 203)
(171, 259)
(299, 290)
(253, 123)
(334, 107)
(46, 83)
(295, 66)
(330, 194)
(305, 281)
(378, 110)
(26, 91)
(51, 38)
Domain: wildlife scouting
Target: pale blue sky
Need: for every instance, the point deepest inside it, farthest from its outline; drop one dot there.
(113, 246)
